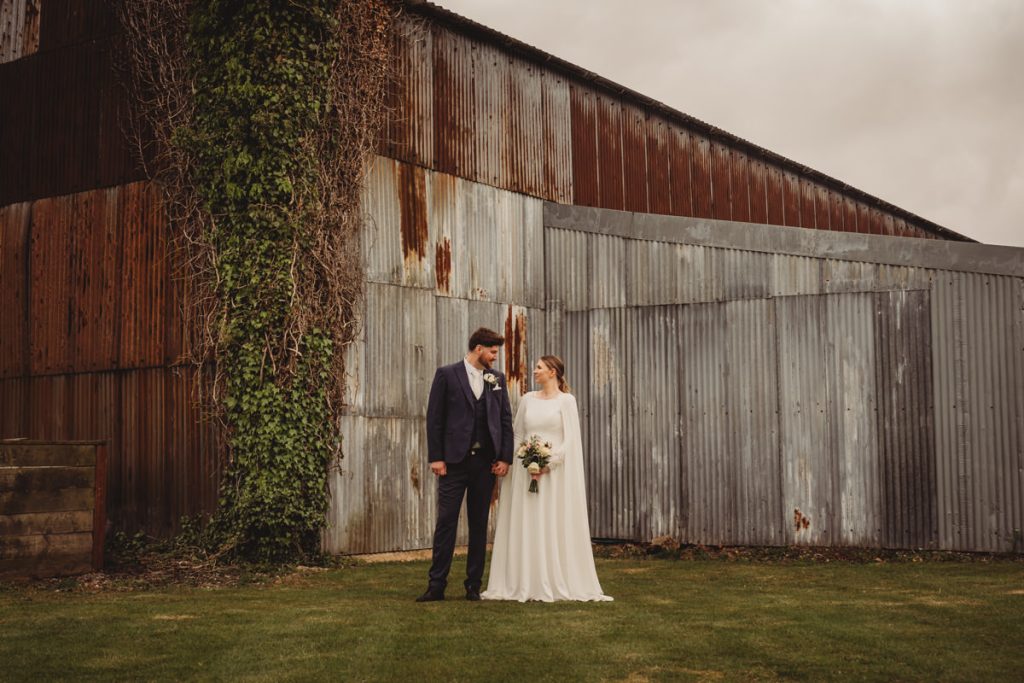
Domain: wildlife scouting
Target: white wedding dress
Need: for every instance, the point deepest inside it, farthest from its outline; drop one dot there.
(542, 540)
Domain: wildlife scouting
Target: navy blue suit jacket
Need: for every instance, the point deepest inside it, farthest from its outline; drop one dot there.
(450, 415)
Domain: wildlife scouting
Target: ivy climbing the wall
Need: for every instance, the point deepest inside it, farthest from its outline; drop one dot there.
(264, 115)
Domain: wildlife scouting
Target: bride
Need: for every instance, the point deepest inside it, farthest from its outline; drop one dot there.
(542, 540)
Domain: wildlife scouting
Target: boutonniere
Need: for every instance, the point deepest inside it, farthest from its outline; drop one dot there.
(492, 380)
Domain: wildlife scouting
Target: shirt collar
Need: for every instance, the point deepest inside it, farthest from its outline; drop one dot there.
(470, 369)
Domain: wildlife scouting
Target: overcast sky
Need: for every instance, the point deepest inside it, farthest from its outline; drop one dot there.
(918, 102)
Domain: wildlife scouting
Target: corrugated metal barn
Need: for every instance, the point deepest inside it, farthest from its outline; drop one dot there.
(741, 382)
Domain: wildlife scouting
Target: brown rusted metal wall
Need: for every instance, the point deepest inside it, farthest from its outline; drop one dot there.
(90, 340)
(471, 102)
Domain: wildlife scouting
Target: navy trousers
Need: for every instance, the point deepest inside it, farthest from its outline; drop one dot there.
(473, 480)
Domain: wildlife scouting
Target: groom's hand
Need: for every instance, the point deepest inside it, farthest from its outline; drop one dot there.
(500, 468)
(439, 468)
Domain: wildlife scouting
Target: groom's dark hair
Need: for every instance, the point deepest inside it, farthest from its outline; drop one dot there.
(485, 337)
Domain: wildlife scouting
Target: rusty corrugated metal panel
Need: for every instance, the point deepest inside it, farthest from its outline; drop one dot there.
(822, 208)
(634, 159)
(18, 83)
(721, 182)
(680, 155)
(50, 286)
(906, 436)
(808, 213)
(523, 139)
(978, 358)
(60, 130)
(409, 130)
(495, 127)
(776, 197)
(850, 215)
(19, 29)
(557, 142)
(95, 288)
(609, 152)
(599, 87)
(837, 211)
(758, 191)
(14, 291)
(68, 22)
(144, 276)
(739, 185)
(659, 186)
(790, 200)
(454, 111)
(863, 219)
(14, 403)
(700, 177)
(585, 183)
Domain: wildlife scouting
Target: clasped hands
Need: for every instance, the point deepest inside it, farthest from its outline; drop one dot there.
(499, 468)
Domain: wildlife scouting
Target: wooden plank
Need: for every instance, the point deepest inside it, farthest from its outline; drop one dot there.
(16, 503)
(46, 544)
(46, 523)
(43, 567)
(47, 455)
(31, 480)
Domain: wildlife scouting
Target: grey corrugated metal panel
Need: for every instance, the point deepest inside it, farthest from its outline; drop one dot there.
(774, 239)
(702, 333)
(795, 275)
(743, 274)
(978, 395)
(382, 246)
(557, 139)
(19, 29)
(401, 333)
(657, 434)
(888, 277)
(598, 478)
(807, 442)
(847, 276)
(534, 289)
(905, 426)
(851, 362)
(947, 332)
(608, 276)
(383, 496)
(566, 267)
(752, 422)
(607, 421)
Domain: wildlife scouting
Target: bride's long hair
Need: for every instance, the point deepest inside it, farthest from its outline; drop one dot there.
(556, 364)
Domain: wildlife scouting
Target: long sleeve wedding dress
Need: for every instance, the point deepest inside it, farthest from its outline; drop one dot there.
(542, 540)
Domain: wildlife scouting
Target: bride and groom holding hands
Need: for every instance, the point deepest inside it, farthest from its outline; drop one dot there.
(542, 538)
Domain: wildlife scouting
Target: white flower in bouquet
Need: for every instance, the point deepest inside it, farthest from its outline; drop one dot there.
(535, 455)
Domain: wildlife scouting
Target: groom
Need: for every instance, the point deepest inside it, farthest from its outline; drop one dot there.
(469, 437)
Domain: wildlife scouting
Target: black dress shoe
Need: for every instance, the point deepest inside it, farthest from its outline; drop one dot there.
(472, 594)
(430, 596)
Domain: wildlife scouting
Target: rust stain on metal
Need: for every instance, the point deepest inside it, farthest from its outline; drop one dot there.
(414, 211)
(515, 349)
(414, 477)
(443, 265)
(800, 521)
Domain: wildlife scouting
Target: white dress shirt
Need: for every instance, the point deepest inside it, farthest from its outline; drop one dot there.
(476, 379)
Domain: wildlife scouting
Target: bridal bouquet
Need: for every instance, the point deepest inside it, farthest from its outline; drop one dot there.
(535, 455)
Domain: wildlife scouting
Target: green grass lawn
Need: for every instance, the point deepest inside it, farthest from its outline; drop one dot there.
(671, 620)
